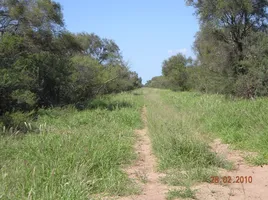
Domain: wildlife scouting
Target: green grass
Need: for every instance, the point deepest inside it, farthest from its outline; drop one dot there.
(77, 154)
(242, 123)
(184, 193)
(182, 124)
(181, 150)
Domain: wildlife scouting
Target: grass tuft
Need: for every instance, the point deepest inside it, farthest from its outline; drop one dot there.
(184, 193)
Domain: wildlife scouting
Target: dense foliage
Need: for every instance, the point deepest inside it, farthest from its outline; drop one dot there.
(231, 49)
(44, 65)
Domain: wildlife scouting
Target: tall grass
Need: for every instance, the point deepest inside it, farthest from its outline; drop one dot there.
(242, 123)
(80, 154)
(180, 149)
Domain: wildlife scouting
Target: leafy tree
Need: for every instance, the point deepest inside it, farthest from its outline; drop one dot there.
(86, 77)
(159, 82)
(13, 77)
(43, 65)
(23, 17)
(255, 82)
(114, 74)
(229, 29)
(174, 69)
(103, 50)
(119, 78)
(232, 22)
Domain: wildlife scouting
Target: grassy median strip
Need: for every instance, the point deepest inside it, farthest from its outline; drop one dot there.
(77, 153)
(181, 151)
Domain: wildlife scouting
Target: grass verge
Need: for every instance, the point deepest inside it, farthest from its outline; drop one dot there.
(242, 123)
(77, 154)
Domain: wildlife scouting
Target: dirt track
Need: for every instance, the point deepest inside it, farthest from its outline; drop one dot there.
(258, 189)
(144, 173)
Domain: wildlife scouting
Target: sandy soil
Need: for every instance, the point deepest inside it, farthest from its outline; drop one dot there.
(258, 189)
(144, 173)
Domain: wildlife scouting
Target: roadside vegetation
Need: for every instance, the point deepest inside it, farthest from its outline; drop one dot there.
(75, 154)
(181, 150)
(223, 91)
(230, 48)
(240, 122)
(183, 125)
(69, 103)
(43, 65)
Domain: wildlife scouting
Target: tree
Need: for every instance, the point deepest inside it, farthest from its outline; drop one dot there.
(232, 22)
(19, 16)
(103, 50)
(86, 78)
(43, 65)
(174, 69)
(159, 82)
(114, 74)
(34, 51)
(229, 29)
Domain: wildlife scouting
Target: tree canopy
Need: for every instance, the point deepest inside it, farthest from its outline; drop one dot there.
(231, 50)
(44, 65)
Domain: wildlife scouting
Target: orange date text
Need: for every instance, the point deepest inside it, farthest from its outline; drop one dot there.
(230, 180)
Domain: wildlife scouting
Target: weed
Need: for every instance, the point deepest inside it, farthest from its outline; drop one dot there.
(184, 193)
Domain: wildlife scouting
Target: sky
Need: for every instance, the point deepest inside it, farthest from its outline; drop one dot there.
(147, 31)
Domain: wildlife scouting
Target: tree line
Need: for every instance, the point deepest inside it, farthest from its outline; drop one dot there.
(43, 65)
(231, 48)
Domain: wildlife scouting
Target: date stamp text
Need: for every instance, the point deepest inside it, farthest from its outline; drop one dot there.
(230, 180)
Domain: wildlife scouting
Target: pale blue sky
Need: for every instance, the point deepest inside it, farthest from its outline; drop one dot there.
(147, 31)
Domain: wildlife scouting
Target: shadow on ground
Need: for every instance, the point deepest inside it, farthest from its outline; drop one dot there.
(136, 93)
(103, 104)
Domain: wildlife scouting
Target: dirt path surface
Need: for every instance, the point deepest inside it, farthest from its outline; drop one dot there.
(144, 171)
(258, 189)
